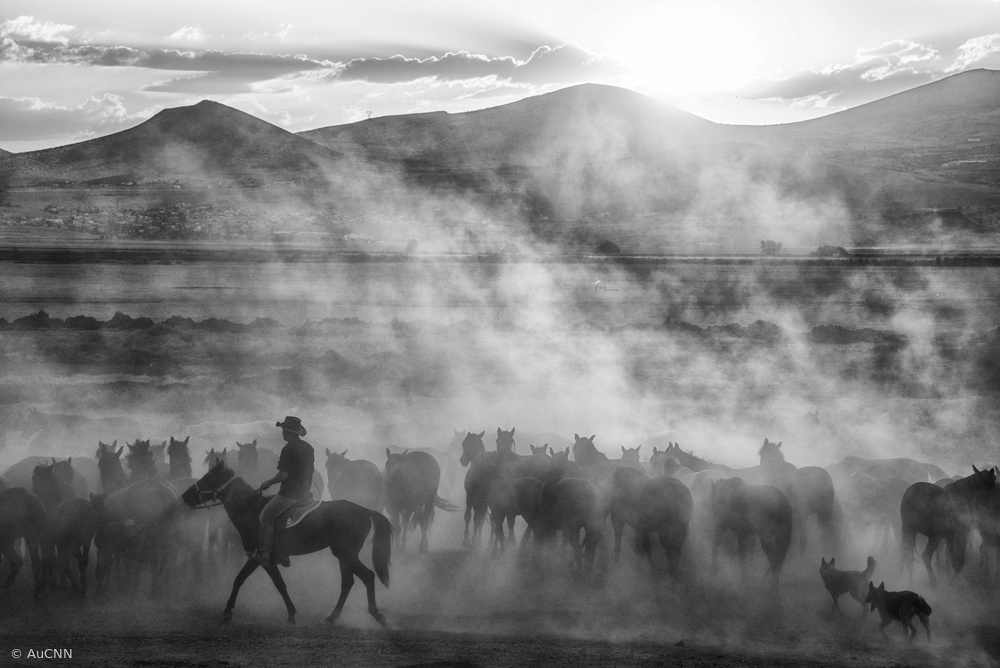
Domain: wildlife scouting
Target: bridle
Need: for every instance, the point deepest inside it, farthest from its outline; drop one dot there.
(216, 498)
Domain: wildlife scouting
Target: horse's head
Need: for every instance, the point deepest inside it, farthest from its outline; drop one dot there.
(335, 461)
(97, 503)
(159, 452)
(392, 459)
(560, 458)
(44, 484)
(212, 488)
(539, 450)
(456, 440)
(64, 471)
(631, 454)
(247, 454)
(472, 447)
(584, 449)
(105, 449)
(179, 449)
(771, 452)
(505, 441)
(213, 457)
(140, 460)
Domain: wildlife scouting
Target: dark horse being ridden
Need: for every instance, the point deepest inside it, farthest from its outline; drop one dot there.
(340, 526)
(944, 514)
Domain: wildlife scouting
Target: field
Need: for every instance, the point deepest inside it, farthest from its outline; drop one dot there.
(831, 360)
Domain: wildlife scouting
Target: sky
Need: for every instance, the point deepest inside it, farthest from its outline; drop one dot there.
(71, 70)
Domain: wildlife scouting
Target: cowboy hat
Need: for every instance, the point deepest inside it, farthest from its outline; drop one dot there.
(292, 424)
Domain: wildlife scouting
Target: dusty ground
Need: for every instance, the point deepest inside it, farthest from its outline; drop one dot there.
(453, 608)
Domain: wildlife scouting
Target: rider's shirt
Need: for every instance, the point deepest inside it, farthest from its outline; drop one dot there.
(296, 459)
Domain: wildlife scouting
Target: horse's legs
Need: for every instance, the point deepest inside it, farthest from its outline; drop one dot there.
(368, 579)
(932, 545)
(404, 527)
(907, 545)
(468, 518)
(241, 577)
(741, 551)
(618, 524)
(511, 518)
(34, 550)
(279, 583)
(83, 562)
(15, 560)
(477, 525)
(425, 524)
(346, 583)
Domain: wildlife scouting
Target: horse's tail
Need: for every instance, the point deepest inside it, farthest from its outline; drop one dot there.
(781, 542)
(381, 546)
(444, 504)
(870, 569)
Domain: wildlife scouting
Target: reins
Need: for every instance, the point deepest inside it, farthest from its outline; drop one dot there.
(216, 499)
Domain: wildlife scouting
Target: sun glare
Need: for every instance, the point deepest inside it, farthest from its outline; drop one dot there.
(689, 50)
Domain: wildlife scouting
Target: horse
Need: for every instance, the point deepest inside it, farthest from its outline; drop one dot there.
(567, 467)
(572, 505)
(70, 528)
(340, 526)
(22, 516)
(140, 460)
(898, 467)
(510, 467)
(874, 503)
(130, 530)
(746, 510)
(622, 494)
(109, 464)
(20, 473)
(809, 489)
(946, 514)
(664, 507)
(483, 471)
(180, 459)
(597, 465)
(515, 497)
(357, 480)
(411, 489)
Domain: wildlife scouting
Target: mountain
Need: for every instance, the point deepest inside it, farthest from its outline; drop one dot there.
(587, 164)
(204, 143)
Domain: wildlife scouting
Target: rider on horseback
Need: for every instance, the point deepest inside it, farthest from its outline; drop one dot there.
(295, 473)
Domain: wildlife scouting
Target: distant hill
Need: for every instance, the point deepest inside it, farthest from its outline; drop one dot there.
(589, 164)
(207, 142)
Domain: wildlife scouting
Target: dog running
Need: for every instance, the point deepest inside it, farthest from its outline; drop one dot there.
(839, 582)
(901, 606)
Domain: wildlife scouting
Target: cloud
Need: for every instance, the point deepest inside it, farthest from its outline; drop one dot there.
(189, 34)
(566, 63)
(26, 28)
(560, 64)
(975, 50)
(875, 72)
(26, 118)
(449, 67)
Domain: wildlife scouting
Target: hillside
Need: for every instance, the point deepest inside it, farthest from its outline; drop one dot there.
(581, 165)
(207, 142)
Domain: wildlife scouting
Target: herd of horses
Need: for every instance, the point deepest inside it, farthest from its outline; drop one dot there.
(159, 518)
